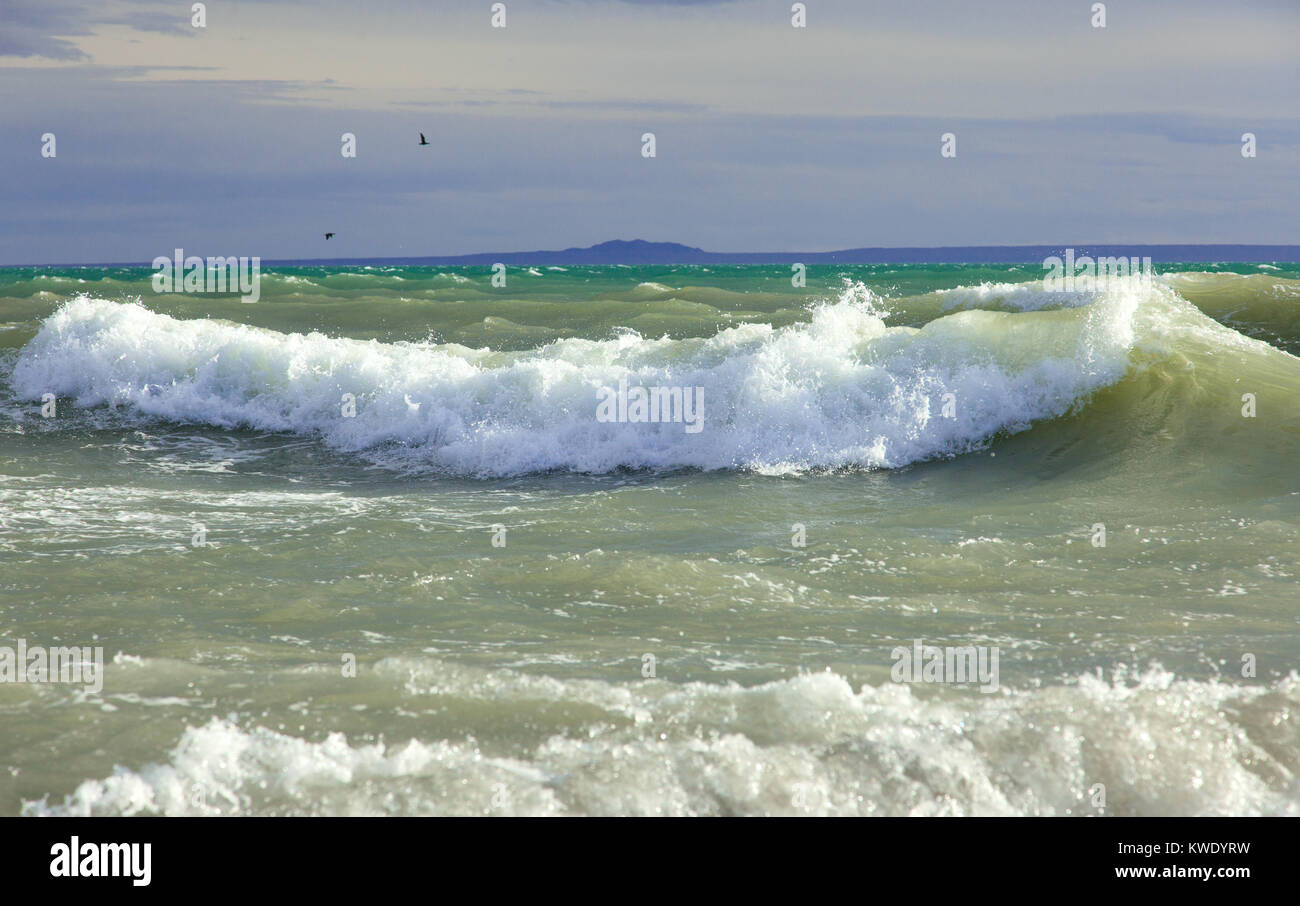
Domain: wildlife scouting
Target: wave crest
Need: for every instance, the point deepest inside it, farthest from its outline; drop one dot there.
(841, 390)
(805, 745)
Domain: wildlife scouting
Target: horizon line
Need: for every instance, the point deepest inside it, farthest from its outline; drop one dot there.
(698, 256)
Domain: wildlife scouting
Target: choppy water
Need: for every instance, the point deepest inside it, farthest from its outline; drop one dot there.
(509, 680)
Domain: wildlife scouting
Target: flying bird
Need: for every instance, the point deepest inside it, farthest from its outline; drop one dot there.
(423, 140)
(329, 235)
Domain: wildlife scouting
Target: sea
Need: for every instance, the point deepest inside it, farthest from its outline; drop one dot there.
(371, 546)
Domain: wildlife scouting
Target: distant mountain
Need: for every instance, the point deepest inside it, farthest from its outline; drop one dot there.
(639, 251)
(616, 251)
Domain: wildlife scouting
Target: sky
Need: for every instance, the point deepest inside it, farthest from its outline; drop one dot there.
(226, 140)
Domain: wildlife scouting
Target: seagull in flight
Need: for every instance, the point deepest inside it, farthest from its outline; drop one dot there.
(423, 140)
(329, 235)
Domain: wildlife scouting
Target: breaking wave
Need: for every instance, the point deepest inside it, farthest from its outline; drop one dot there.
(839, 390)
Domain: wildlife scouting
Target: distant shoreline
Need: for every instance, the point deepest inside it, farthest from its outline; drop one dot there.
(642, 253)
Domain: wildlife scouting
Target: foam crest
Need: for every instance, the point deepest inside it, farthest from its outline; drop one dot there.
(806, 745)
(840, 390)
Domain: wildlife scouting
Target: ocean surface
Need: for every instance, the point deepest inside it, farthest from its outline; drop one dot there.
(551, 614)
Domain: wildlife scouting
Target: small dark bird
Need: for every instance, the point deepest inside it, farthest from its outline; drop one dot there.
(329, 235)
(423, 140)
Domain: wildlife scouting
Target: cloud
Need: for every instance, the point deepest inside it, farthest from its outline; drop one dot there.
(40, 28)
(152, 22)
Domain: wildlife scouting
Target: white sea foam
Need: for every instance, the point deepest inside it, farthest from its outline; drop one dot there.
(840, 390)
(810, 744)
(1031, 296)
